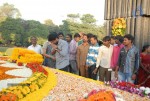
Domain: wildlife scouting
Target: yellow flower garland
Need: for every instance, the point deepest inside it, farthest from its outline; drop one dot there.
(40, 87)
(25, 56)
(119, 27)
(50, 84)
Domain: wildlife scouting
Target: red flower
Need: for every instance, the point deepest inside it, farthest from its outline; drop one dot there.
(35, 67)
(126, 84)
(20, 64)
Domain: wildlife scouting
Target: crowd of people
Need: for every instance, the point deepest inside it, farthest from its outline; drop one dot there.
(113, 58)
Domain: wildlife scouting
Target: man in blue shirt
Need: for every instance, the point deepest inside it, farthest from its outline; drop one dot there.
(60, 48)
(92, 57)
(128, 62)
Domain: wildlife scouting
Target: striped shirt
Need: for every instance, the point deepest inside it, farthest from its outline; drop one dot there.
(92, 55)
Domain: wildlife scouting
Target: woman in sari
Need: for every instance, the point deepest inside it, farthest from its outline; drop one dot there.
(144, 70)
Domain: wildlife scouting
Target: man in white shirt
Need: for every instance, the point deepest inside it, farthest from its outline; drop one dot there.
(35, 47)
(104, 60)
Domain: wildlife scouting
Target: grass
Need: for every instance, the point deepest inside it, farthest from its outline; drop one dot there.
(3, 49)
(6, 51)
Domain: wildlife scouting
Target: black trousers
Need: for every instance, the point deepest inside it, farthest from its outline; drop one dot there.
(65, 69)
(90, 72)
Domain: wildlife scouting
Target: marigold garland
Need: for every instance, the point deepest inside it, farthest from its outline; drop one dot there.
(119, 27)
(49, 85)
(101, 95)
(21, 55)
(32, 84)
(38, 84)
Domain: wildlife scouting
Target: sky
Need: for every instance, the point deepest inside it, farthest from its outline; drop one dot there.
(57, 10)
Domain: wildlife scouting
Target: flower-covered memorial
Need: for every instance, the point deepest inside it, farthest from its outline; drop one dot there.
(24, 78)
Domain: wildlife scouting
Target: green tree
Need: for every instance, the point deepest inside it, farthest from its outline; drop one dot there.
(73, 17)
(10, 28)
(88, 19)
(88, 25)
(69, 27)
(8, 10)
(18, 31)
(48, 22)
(54, 28)
(51, 26)
(35, 28)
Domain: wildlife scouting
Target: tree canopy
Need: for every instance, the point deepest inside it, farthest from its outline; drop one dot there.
(17, 31)
(8, 10)
(88, 19)
(85, 23)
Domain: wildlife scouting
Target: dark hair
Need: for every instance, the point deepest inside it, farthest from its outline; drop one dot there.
(113, 37)
(77, 35)
(33, 37)
(52, 36)
(85, 35)
(100, 42)
(60, 33)
(89, 35)
(106, 38)
(69, 35)
(145, 47)
(120, 38)
(129, 37)
(94, 36)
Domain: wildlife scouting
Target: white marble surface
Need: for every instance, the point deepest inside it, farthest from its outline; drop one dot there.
(21, 71)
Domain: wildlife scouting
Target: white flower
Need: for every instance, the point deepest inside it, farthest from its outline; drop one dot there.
(85, 95)
(147, 92)
(118, 96)
(137, 89)
(97, 89)
(108, 83)
(147, 89)
(142, 88)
